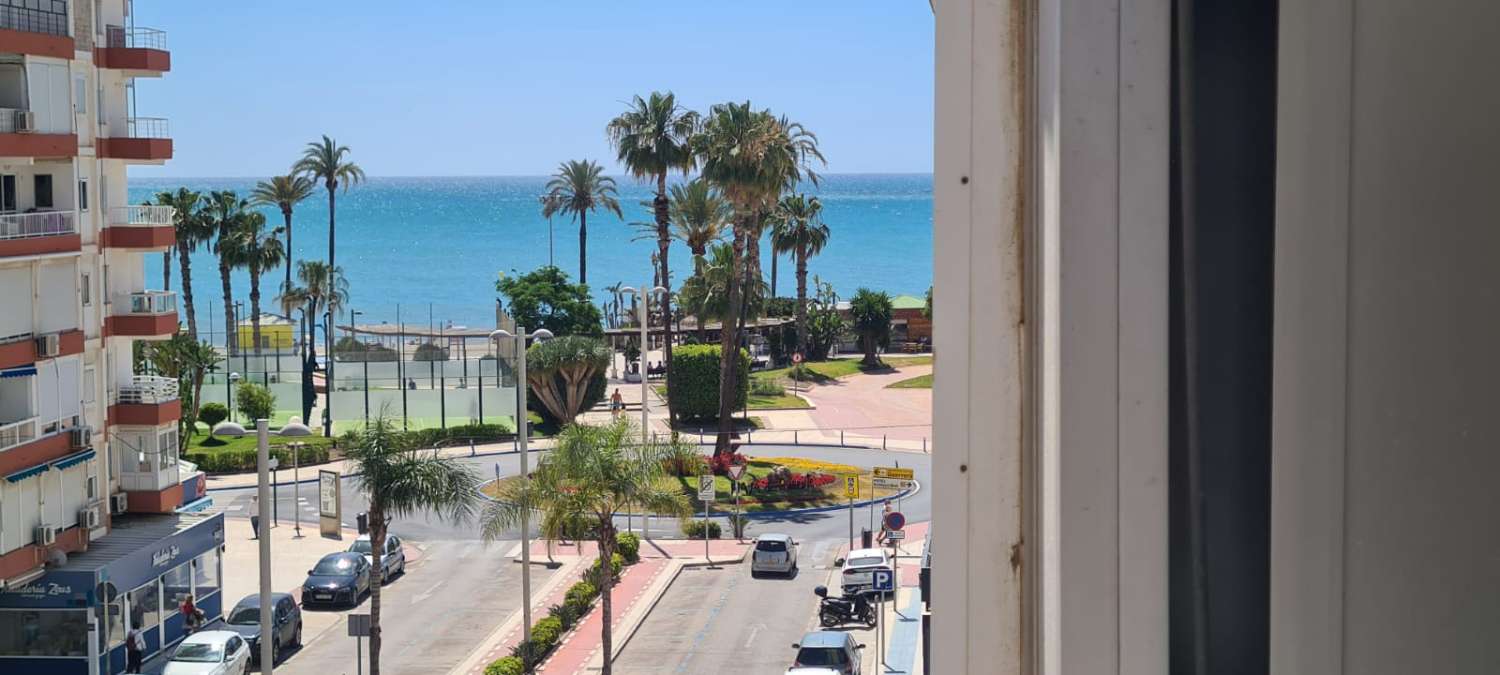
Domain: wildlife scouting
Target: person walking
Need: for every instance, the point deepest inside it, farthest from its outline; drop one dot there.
(254, 517)
(135, 649)
(192, 617)
(616, 403)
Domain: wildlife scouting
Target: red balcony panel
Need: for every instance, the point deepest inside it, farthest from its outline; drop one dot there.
(39, 451)
(145, 414)
(36, 44)
(38, 145)
(165, 501)
(136, 237)
(140, 149)
(133, 58)
(23, 352)
(62, 243)
(30, 557)
(141, 325)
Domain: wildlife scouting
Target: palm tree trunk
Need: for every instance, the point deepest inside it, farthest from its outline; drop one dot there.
(729, 344)
(607, 580)
(287, 214)
(184, 262)
(583, 247)
(255, 306)
(802, 300)
(231, 333)
(774, 256)
(377, 577)
(328, 327)
(166, 270)
(664, 242)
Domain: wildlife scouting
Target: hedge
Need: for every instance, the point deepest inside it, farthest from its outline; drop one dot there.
(693, 529)
(694, 392)
(630, 547)
(244, 459)
(427, 438)
(509, 665)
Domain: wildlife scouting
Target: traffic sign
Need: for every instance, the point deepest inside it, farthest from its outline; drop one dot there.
(797, 357)
(735, 471)
(851, 486)
(883, 580)
(894, 472)
(894, 535)
(705, 488)
(359, 625)
(890, 483)
(895, 521)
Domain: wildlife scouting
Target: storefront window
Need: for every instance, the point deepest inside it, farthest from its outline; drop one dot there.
(116, 627)
(176, 585)
(145, 606)
(206, 573)
(43, 632)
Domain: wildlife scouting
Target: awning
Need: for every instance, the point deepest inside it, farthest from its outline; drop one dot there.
(73, 460)
(27, 473)
(18, 371)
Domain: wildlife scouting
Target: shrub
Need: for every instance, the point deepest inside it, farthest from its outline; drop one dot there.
(630, 547)
(254, 401)
(693, 529)
(566, 613)
(581, 593)
(509, 665)
(683, 461)
(547, 631)
(212, 414)
(764, 387)
(695, 381)
(316, 451)
(737, 524)
(530, 653)
(616, 563)
(721, 463)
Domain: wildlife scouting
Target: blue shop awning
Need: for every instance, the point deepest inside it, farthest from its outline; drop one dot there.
(19, 371)
(73, 460)
(23, 474)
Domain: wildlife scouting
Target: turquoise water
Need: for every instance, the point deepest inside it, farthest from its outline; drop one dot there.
(443, 241)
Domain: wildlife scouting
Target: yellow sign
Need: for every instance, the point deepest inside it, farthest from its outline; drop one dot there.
(851, 486)
(892, 472)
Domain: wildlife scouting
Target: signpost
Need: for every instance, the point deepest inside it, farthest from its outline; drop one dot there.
(359, 628)
(735, 471)
(851, 490)
(706, 495)
(797, 361)
(330, 505)
(884, 581)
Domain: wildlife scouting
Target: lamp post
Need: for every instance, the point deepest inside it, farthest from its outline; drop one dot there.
(645, 349)
(229, 383)
(523, 433)
(365, 357)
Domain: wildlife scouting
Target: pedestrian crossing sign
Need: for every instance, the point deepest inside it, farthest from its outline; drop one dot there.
(851, 486)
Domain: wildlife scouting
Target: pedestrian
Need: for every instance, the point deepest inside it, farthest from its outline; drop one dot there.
(254, 517)
(192, 617)
(135, 648)
(616, 403)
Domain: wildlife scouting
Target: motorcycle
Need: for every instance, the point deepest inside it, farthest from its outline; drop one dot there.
(838, 611)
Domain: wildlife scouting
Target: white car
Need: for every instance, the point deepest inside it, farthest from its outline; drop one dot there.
(775, 553)
(210, 652)
(857, 576)
(393, 559)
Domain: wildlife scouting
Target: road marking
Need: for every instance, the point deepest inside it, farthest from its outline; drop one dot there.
(427, 593)
(754, 629)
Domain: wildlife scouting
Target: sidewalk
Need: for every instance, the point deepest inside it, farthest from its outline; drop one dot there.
(903, 616)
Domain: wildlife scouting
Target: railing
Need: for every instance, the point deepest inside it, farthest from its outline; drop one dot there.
(153, 302)
(141, 216)
(37, 224)
(13, 434)
(147, 127)
(135, 38)
(148, 390)
(47, 16)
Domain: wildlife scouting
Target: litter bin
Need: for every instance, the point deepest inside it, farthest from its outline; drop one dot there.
(865, 538)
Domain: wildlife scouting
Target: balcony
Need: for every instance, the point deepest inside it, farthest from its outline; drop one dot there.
(147, 139)
(139, 228)
(40, 29)
(38, 232)
(147, 400)
(18, 137)
(140, 52)
(146, 314)
(16, 434)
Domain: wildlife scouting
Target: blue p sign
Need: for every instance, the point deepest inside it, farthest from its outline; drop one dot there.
(883, 580)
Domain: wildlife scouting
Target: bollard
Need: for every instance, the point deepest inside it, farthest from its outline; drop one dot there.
(841, 436)
(882, 441)
(924, 444)
(750, 435)
(471, 446)
(796, 439)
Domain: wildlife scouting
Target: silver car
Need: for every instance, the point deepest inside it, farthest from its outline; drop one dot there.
(774, 553)
(393, 559)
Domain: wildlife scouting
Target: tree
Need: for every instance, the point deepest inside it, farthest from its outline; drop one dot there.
(705, 294)
(593, 473)
(254, 401)
(798, 229)
(257, 249)
(652, 139)
(323, 289)
(871, 315)
(824, 325)
(225, 210)
(579, 188)
(560, 372)
(284, 193)
(545, 298)
(191, 230)
(927, 308)
(327, 161)
(699, 216)
(186, 359)
(398, 480)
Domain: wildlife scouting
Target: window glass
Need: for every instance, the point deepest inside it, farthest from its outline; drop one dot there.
(198, 652)
(43, 633)
(42, 188)
(206, 574)
(85, 288)
(83, 194)
(167, 449)
(116, 627)
(771, 546)
(145, 606)
(176, 585)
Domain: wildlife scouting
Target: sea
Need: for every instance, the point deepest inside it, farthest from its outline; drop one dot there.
(431, 249)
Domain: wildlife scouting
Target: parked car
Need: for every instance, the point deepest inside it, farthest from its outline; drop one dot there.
(210, 652)
(811, 671)
(858, 566)
(393, 559)
(776, 553)
(832, 650)
(338, 579)
(286, 623)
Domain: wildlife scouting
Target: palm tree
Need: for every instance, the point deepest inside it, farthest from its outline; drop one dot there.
(593, 473)
(284, 192)
(870, 312)
(578, 188)
(798, 229)
(699, 217)
(704, 295)
(652, 139)
(327, 161)
(192, 229)
(322, 290)
(399, 480)
(225, 211)
(185, 358)
(615, 291)
(257, 249)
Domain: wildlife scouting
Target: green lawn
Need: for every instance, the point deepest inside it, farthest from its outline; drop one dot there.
(202, 442)
(919, 382)
(760, 401)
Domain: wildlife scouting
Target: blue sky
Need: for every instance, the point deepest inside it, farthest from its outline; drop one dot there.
(510, 87)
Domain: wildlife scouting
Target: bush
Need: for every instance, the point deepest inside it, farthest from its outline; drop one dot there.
(567, 613)
(212, 414)
(428, 438)
(581, 593)
(254, 401)
(530, 653)
(683, 461)
(616, 563)
(509, 665)
(720, 463)
(693, 529)
(317, 451)
(630, 547)
(547, 631)
(763, 387)
(695, 381)
(428, 351)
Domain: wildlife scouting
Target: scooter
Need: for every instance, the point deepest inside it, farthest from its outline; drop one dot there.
(848, 609)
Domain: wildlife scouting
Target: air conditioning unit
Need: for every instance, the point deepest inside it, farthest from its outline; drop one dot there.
(48, 345)
(119, 502)
(25, 122)
(44, 536)
(81, 437)
(89, 518)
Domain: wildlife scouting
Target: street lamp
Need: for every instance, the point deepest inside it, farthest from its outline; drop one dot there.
(645, 349)
(229, 383)
(523, 433)
(365, 357)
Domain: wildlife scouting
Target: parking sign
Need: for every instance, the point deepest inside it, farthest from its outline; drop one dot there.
(851, 486)
(705, 488)
(883, 580)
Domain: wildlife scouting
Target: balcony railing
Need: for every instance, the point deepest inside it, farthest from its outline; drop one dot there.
(141, 216)
(37, 224)
(46, 16)
(153, 302)
(149, 390)
(135, 38)
(13, 434)
(147, 127)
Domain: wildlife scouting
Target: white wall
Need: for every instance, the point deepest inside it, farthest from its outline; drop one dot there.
(19, 501)
(57, 307)
(49, 86)
(15, 300)
(59, 394)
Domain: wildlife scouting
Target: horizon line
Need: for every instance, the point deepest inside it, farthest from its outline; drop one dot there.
(483, 175)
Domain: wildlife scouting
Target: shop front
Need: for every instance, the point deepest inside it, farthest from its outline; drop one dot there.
(74, 619)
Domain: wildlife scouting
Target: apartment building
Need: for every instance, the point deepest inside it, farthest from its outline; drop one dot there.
(91, 538)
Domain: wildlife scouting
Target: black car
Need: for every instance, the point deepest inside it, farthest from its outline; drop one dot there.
(338, 579)
(286, 623)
